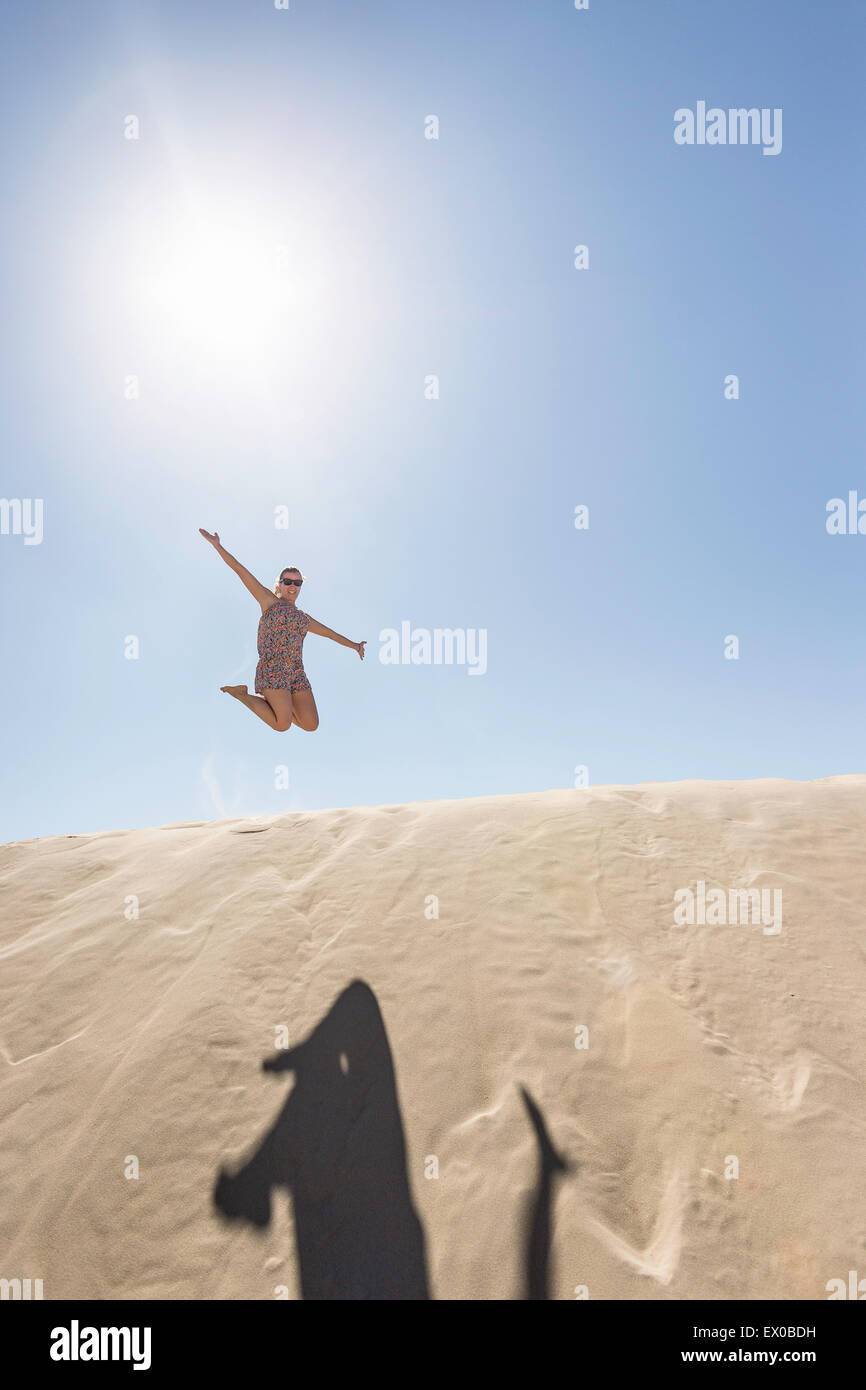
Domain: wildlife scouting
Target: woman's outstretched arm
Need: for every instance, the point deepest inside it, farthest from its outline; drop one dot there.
(258, 590)
(322, 631)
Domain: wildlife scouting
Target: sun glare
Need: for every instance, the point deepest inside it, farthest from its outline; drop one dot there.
(216, 281)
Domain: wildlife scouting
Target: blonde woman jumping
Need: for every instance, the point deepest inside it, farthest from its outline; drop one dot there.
(283, 694)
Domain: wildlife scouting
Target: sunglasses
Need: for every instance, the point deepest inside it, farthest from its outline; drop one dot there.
(299, 582)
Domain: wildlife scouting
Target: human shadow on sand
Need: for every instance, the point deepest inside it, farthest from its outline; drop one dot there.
(537, 1229)
(337, 1145)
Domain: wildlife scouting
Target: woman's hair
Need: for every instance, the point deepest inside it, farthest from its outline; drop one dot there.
(287, 569)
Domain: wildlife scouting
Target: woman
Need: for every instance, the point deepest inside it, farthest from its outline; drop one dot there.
(281, 681)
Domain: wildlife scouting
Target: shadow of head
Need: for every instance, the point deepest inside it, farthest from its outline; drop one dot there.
(342, 1070)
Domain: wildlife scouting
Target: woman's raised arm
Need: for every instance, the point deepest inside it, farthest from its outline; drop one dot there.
(259, 592)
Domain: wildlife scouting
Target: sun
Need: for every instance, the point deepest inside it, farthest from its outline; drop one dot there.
(217, 280)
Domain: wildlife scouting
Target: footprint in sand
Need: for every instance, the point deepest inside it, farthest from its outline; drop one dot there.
(659, 1259)
(616, 971)
(790, 1082)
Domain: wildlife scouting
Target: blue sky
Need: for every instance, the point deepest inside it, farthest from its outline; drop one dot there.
(402, 258)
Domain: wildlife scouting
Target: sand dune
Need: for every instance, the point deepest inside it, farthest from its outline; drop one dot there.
(506, 1070)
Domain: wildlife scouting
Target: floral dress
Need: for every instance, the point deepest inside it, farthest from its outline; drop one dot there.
(282, 629)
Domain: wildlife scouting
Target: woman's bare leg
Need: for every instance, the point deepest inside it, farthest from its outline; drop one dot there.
(275, 709)
(304, 712)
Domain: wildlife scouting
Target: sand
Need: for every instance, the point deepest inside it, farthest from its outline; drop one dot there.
(504, 1069)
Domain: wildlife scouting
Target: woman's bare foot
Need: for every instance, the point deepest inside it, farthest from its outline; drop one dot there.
(260, 706)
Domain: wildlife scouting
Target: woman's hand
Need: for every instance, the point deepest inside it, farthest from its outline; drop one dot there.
(214, 539)
(359, 648)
